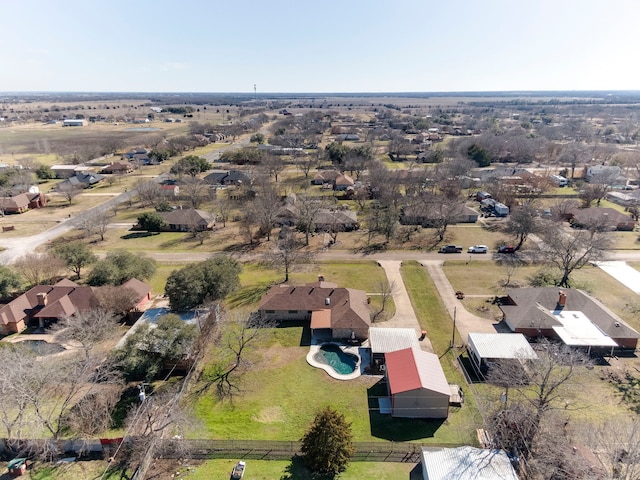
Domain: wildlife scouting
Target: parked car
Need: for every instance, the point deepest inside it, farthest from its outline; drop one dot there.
(451, 249)
(478, 249)
(506, 249)
(238, 471)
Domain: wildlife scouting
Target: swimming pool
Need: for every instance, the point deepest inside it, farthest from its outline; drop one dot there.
(41, 347)
(332, 355)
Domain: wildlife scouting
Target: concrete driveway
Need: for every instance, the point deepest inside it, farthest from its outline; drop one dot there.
(626, 275)
(466, 322)
(405, 316)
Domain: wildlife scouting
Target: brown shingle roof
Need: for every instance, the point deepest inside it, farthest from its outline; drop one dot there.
(348, 307)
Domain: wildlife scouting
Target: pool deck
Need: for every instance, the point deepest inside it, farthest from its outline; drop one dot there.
(360, 352)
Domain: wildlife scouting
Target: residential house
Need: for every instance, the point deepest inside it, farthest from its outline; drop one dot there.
(188, 220)
(338, 312)
(82, 180)
(417, 214)
(22, 202)
(333, 221)
(343, 182)
(466, 463)
(568, 315)
(337, 180)
(45, 304)
(608, 173)
(603, 218)
(416, 384)
(230, 177)
(117, 168)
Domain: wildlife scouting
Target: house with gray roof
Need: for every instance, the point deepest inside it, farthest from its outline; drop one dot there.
(188, 220)
(568, 315)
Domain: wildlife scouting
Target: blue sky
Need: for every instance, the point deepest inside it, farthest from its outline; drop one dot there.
(318, 46)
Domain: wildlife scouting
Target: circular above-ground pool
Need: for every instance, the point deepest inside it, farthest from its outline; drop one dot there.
(332, 355)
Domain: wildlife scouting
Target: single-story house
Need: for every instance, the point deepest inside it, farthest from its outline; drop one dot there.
(340, 312)
(605, 218)
(231, 177)
(82, 180)
(416, 384)
(387, 340)
(610, 173)
(486, 348)
(188, 220)
(466, 463)
(327, 220)
(342, 182)
(325, 176)
(117, 168)
(22, 202)
(568, 315)
(419, 214)
(44, 304)
(339, 181)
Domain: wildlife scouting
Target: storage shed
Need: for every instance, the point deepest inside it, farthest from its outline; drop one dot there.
(416, 384)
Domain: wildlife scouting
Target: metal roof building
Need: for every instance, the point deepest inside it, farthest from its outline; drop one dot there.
(493, 346)
(467, 463)
(416, 384)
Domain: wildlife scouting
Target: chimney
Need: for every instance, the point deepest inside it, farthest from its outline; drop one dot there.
(327, 301)
(42, 299)
(321, 278)
(562, 298)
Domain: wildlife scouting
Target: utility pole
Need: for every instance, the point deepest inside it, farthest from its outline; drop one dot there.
(453, 334)
(255, 93)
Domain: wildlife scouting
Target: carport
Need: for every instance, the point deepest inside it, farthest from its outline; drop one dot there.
(487, 348)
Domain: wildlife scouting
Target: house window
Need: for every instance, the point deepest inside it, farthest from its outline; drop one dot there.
(293, 311)
(270, 311)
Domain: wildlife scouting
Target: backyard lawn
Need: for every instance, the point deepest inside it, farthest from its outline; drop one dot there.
(295, 470)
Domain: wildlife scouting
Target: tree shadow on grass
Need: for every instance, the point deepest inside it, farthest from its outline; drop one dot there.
(132, 235)
(397, 429)
(297, 470)
(248, 296)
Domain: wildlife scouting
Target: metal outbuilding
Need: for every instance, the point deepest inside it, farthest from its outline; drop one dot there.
(467, 463)
(485, 348)
(386, 340)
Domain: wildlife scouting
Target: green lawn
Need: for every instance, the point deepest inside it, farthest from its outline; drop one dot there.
(295, 470)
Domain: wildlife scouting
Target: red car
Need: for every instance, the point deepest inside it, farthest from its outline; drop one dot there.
(506, 249)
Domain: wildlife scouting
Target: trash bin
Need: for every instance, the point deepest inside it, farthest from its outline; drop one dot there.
(17, 467)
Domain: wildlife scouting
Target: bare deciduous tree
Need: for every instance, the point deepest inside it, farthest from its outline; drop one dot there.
(39, 268)
(572, 250)
(94, 222)
(68, 191)
(239, 333)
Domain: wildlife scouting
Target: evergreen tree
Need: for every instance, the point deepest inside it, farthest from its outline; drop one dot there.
(327, 446)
